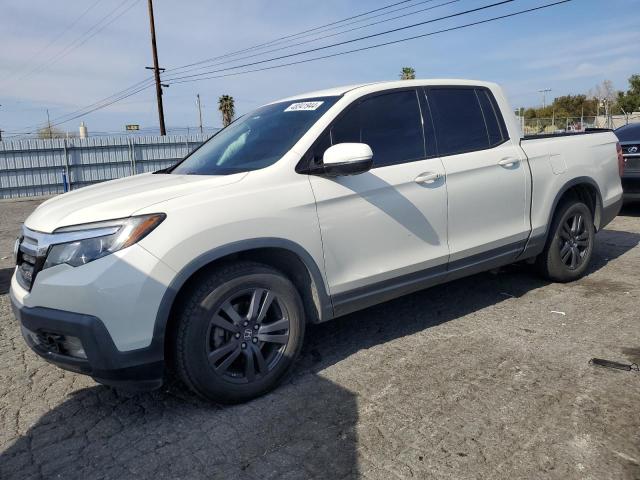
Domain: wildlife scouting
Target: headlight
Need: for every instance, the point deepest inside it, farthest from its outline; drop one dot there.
(96, 240)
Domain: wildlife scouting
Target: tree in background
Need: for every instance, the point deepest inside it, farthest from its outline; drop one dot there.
(227, 108)
(407, 73)
(565, 106)
(629, 101)
(51, 132)
(605, 96)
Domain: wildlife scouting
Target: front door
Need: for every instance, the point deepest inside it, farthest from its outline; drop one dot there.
(384, 228)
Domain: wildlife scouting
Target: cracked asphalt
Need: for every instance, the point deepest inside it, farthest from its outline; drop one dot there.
(486, 377)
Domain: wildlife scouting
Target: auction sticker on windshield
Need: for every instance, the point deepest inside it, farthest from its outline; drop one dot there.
(302, 106)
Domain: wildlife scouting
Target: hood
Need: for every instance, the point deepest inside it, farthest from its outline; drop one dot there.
(119, 198)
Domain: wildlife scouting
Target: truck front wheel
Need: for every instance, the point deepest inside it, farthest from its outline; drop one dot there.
(240, 332)
(569, 248)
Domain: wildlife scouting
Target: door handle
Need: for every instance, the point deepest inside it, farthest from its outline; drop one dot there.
(508, 162)
(428, 177)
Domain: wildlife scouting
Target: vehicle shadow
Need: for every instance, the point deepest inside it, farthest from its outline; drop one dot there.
(307, 428)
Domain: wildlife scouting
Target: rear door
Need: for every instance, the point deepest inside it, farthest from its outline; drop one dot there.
(381, 226)
(486, 176)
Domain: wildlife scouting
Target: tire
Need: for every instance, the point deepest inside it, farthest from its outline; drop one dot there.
(569, 248)
(239, 333)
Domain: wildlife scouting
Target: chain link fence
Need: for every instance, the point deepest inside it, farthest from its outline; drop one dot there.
(539, 126)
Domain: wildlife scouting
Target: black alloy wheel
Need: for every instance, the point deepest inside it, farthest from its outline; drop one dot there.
(574, 241)
(570, 243)
(239, 333)
(247, 335)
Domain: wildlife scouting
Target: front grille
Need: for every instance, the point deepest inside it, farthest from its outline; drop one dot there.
(30, 259)
(631, 149)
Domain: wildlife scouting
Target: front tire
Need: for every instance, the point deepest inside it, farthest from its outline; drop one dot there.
(239, 333)
(569, 248)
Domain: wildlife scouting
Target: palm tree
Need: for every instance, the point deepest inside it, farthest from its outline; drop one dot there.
(407, 73)
(227, 109)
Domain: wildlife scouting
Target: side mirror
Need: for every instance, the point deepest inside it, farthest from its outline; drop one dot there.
(347, 159)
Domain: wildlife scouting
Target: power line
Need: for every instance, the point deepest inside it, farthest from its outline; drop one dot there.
(130, 91)
(105, 102)
(366, 37)
(117, 96)
(55, 39)
(133, 89)
(306, 33)
(324, 36)
(393, 42)
(101, 106)
(294, 34)
(82, 39)
(173, 79)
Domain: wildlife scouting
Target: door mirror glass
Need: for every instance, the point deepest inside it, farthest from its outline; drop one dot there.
(347, 159)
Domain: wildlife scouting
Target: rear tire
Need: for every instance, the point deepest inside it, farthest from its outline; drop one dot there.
(239, 333)
(569, 248)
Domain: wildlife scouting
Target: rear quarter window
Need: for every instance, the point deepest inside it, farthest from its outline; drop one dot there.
(465, 119)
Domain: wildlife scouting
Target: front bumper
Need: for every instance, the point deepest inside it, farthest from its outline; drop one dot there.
(141, 369)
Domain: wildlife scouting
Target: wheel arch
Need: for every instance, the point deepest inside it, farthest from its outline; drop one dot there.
(286, 256)
(583, 188)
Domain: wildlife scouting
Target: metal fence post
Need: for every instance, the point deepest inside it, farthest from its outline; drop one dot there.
(66, 165)
(132, 155)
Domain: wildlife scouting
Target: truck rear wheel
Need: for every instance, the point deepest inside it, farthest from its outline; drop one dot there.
(239, 333)
(569, 247)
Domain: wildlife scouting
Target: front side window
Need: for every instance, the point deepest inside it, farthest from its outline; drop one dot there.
(458, 119)
(391, 124)
(256, 140)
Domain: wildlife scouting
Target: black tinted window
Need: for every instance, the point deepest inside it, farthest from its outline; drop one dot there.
(458, 119)
(390, 124)
(494, 129)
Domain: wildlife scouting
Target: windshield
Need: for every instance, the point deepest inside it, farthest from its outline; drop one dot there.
(256, 140)
(629, 133)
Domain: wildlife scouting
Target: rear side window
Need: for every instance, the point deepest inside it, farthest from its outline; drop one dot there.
(465, 120)
(391, 124)
(494, 127)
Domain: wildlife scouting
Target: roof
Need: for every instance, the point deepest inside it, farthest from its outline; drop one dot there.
(376, 86)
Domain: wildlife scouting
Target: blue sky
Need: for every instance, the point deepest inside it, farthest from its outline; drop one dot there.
(568, 48)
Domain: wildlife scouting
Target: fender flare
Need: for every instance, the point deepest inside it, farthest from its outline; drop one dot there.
(169, 297)
(570, 184)
(536, 243)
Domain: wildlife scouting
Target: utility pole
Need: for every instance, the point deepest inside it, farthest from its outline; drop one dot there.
(49, 125)
(156, 69)
(0, 131)
(544, 96)
(199, 112)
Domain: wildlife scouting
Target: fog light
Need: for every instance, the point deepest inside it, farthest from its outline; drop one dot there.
(73, 347)
(56, 343)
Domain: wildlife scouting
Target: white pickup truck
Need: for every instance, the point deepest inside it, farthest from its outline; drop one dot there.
(306, 209)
